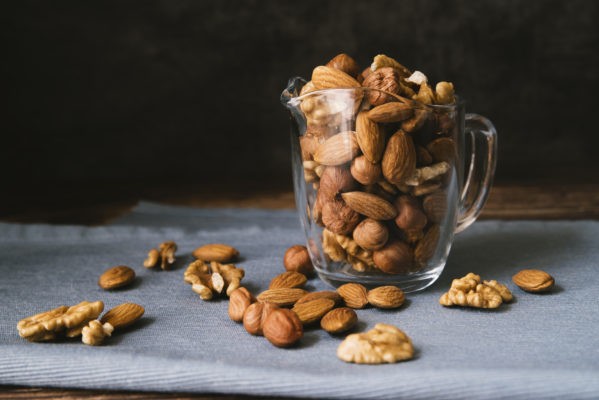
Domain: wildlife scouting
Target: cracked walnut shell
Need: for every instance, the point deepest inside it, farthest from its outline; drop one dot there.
(383, 344)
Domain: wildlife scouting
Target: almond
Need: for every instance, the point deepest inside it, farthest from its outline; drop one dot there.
(123, 315)
(386, 297)
(390, 112)
(395, 258)
(289, 279)
(426, 247)
(116, 277)
(370, 138)
(330, 78)
(344, 63)
(216, 252)
(399, 159)
(354, 295)
(282, 297)
(312, 311)
(338, 149)
(370, 205)
(282, 328)
(371, 234)
(325, 294)
(365, 172)
(239, 301)
(533, 280)
(339, 320)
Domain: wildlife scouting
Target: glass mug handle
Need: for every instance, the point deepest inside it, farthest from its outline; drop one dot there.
(483, 157)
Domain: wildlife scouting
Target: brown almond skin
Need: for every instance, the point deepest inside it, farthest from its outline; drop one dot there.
(339, 320)
(282, 328)
(312, 311)
(399, 158)
(255, 315)
(216, 252)
(325, 294)
(370, 205)
(386, 297)
(298, 259)
(395, 258)
(282, 297)
(288, 279)
(116, 277)
(533, 280)
(123, 315)
(239, 301)
(391, 112)
(354, 295)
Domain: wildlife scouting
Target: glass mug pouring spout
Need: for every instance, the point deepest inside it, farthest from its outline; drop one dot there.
(382, 183)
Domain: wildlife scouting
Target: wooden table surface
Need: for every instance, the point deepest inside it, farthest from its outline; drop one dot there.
(92, 207)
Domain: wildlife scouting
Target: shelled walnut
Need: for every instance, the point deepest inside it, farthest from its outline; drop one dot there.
(214, 279)
(469, 291)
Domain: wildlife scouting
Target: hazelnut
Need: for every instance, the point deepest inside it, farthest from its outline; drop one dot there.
(239, 301)
(365, 172)
(255, 315)
(335, 180)
(282, 327)
(410, 217)
(370, 234)
(395, 258)
(339, 218)
(298, 259)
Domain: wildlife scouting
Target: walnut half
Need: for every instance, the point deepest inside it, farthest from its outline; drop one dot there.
(383, 344)
(468, 291)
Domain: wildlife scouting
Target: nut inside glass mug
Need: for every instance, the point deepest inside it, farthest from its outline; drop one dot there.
(381, 182)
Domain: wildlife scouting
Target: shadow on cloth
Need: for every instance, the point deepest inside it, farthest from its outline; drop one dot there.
(501, 253)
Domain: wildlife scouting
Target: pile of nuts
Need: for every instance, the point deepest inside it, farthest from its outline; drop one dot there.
(379, 162)
(79, 320)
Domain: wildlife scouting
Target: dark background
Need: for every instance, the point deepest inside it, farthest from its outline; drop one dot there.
(117, 94)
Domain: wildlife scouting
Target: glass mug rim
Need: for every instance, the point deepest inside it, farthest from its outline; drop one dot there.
(288, 99)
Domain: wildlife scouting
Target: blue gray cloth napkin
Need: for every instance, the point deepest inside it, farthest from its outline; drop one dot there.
(538, 347)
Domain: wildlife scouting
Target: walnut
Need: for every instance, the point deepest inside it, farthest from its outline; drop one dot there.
(468, 291)
(383, 344)
(425, 94)
(331, 247)
(95, 332)
(445, 93)
(50, 324)
(216, 278)
(341, 248)
(385, 79)
(165, 253)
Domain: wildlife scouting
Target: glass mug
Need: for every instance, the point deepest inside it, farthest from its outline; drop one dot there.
(382, 183)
